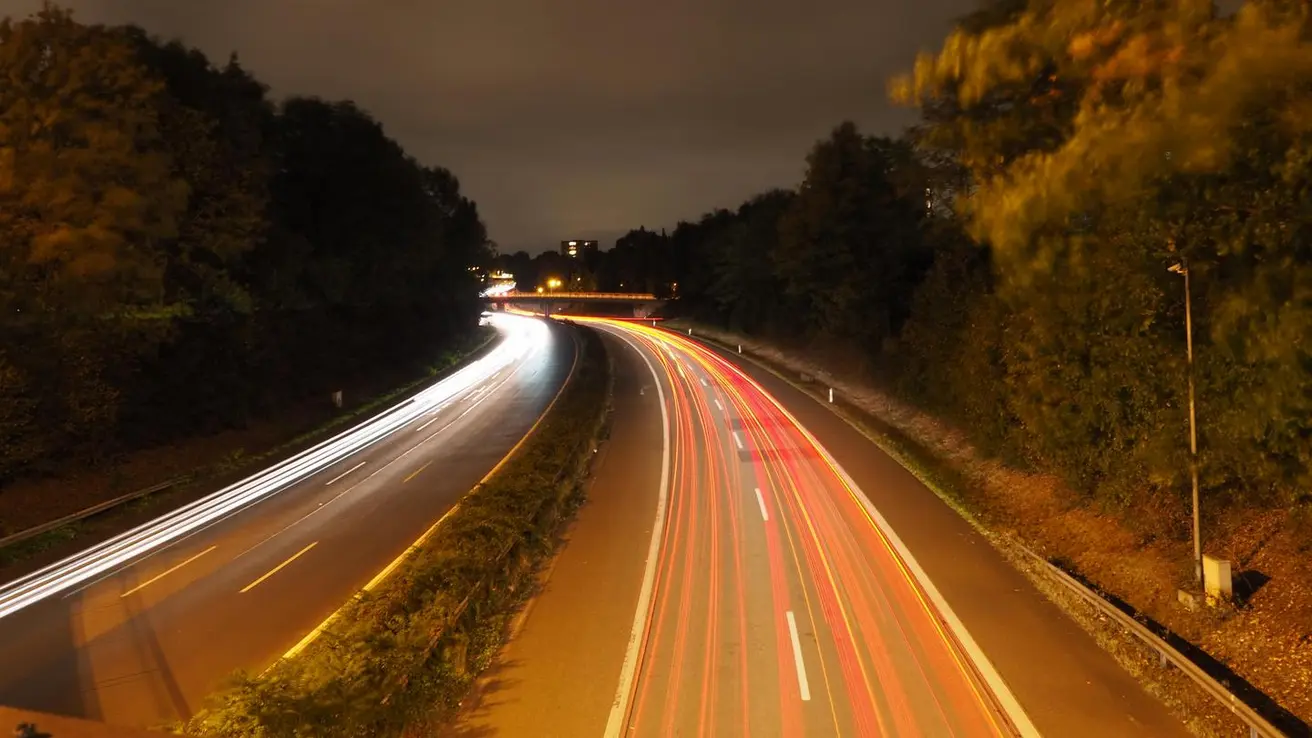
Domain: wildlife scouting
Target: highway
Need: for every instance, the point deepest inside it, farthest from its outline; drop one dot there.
(777, 602)
(729, 576)
(139, 629)
(765, 600)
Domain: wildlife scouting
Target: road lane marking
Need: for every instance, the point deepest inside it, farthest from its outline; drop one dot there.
(382, 575)
(1010, 706)
(133, 547)
(477, 394)
(738, 440)
(278, 568)
(719, 405)
(379, 577)
(761, 501)
(415, 473)
(348, 471)
(158, 577)
(619, 707)
(381, 469)
(802, 684)
(704, 382)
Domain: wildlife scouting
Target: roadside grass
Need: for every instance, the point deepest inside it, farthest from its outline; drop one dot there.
(398, 659)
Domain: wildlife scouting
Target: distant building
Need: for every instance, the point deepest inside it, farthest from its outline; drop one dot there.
(577, 247)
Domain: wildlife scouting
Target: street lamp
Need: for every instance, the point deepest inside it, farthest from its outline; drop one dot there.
(1183, 269)
(553, 283)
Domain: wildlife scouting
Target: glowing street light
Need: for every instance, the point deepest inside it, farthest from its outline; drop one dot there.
(553, 283)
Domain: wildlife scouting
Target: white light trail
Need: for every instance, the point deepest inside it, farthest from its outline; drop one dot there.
(520, 337)
(498, 289)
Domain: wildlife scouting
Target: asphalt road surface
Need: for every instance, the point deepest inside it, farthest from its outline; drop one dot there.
(778, 603)
(733, 580)
(138, 630)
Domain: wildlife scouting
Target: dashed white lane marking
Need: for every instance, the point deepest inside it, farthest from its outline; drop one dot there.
(802, 684)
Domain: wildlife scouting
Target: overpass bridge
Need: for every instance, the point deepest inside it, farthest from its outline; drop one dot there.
(644, 303)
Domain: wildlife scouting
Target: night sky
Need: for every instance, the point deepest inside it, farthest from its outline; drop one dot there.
(584, 118)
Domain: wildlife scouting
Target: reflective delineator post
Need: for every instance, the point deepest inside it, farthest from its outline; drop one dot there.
(740, 348)
(689, 331)
(831, 394)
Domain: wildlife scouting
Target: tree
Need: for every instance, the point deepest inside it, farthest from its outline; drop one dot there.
(849, 248)
(1116, 139)
(177, 256)
(746, 287)
(217, 125)
(86, 186)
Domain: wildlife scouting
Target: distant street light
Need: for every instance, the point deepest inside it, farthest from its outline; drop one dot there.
(553, 283)
(1183, 269)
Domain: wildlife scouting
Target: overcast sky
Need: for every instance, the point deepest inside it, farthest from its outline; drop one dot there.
(585, 118)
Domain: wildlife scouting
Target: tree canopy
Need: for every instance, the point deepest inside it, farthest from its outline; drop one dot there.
(182, 254)
(1005, 262)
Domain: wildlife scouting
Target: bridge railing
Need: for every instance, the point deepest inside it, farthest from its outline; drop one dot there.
(558, 295)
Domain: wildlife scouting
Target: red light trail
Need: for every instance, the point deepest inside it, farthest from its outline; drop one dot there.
(780, 606)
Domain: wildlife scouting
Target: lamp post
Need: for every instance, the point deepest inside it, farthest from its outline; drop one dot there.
(552, 284)
(1183, 269)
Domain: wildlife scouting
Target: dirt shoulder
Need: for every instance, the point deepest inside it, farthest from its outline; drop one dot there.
(206, 462)
(1266, 641)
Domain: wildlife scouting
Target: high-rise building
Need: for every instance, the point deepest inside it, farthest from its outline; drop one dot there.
(577, 247)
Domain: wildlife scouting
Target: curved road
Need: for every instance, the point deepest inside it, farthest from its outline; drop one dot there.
(778, 603)
(768, 597)
(139, 629)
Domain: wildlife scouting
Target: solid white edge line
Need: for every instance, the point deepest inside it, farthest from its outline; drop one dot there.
(761, 501)
(348, 471)
(629, 670)
(1010, 705)
(802, 684)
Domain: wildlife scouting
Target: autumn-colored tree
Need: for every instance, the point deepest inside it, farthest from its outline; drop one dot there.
(86, 187)
(1103, 140)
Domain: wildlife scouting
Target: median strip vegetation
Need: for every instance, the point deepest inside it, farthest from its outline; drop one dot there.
(400, 657)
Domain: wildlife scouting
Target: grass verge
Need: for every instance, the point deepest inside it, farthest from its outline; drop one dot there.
(958, 489)
(238, 462)
(398, 660)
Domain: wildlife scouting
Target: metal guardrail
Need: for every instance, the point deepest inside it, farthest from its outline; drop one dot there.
(1258, 726)
(33, 532)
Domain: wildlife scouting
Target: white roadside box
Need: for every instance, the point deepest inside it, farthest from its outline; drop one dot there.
(1216, 579)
